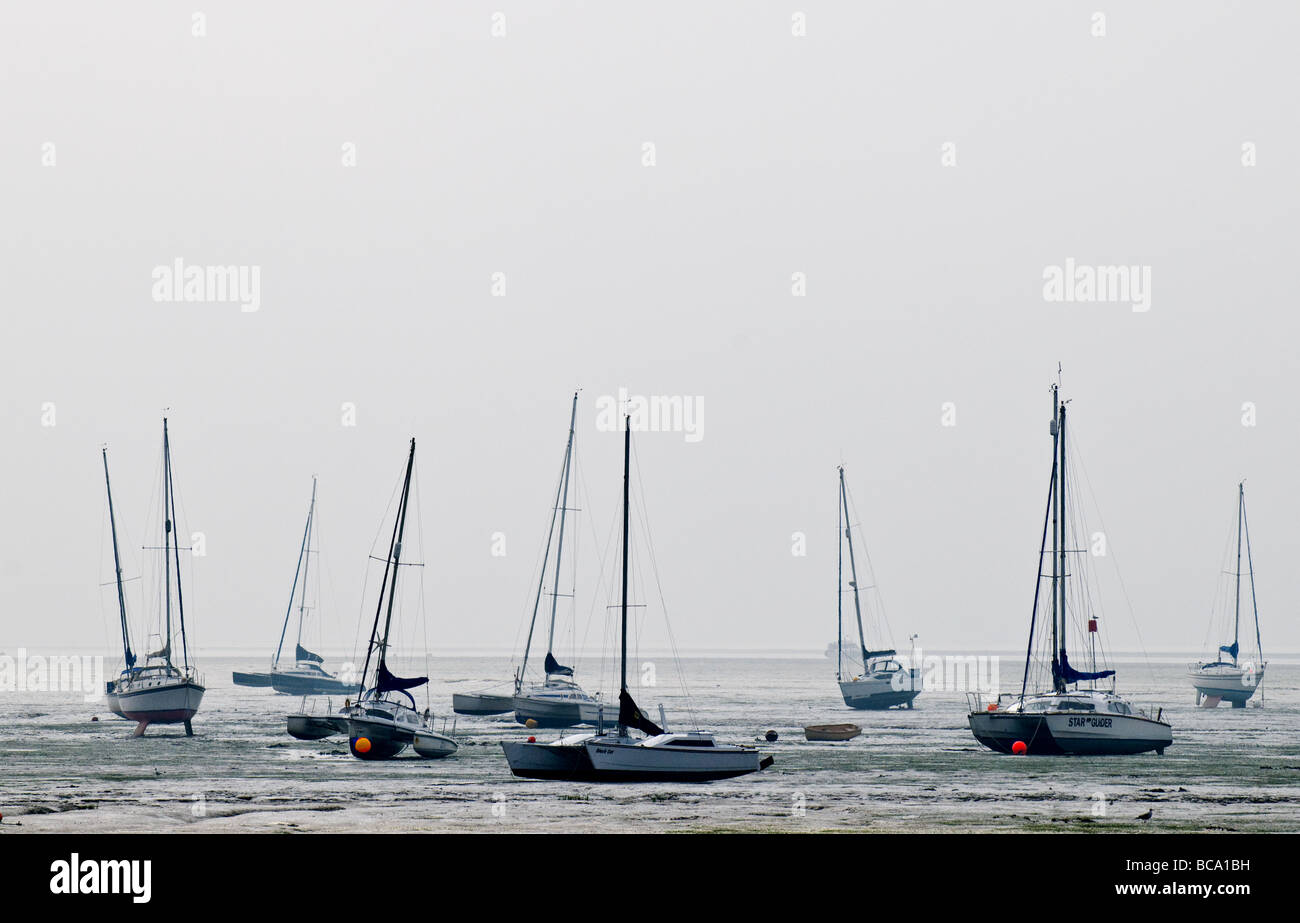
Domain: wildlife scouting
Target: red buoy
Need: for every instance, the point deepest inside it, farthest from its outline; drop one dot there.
(1019, 748)
(532, 739)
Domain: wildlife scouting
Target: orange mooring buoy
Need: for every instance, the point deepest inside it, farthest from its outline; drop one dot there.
(361, 745)
(1019, 748)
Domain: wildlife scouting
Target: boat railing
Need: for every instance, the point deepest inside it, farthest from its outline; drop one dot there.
(981, 701)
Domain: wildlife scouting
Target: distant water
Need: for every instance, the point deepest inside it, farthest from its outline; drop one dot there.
(919, 770)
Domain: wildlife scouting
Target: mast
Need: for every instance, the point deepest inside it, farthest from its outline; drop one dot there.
(390, 566)
(293, 591)
(117, 570)
(1236, 616)
(1061, 489)
(839, 584)
(306, 566)
(541, 580)
(564, 503)
(627, 467)
(167, 572)
(176, 550)
(1056, 512)
(853, 569)
(1259, 645)
(397, 554)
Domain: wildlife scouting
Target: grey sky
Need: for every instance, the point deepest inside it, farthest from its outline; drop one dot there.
(775, 154)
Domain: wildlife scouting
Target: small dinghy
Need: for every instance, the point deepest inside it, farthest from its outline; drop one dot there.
(832, 731)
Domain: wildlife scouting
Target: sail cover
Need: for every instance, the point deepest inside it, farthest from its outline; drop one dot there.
(304, 655)
(631, 717)
(872, 655)
(553, 667)
(1069, 674)
(1230, 649)
(387, 682)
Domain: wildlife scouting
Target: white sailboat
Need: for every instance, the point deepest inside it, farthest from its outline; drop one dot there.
(384, 722)
(307, 675)
(558, 701)
(162, 692)
(618, 756)
(1232, 680)
(1074, 714)
(883, 682)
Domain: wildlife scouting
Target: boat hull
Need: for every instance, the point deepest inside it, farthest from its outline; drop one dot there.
(875, 693)
(260, 680)
(1000, 731)
(169, 703)
(614, 761)
(1105, 735)
(561, 713)
(482, 703)
(386, 739)
(547, 761)
(432, 745)
(316, 727)
(1228, 684)
(831, 732)
(291, 684)
(1056, 733)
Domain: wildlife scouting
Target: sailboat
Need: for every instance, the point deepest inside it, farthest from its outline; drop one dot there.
(307, 676)
(161, 692)
(883, 682)
(128, 656)
(383, 722)
(617, 756)
(1222, 680)
(558, 701)
(1075, 714)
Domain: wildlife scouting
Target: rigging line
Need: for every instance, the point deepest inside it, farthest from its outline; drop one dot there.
(871, 575)
(1038, 584)
(1077, 457)
(654, 567)
(1250, 563)
(602, 588)
(420, 604)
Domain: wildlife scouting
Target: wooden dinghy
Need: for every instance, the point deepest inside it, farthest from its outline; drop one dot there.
(832, 731)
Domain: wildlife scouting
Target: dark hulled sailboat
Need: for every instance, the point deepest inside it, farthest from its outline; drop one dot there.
(384, 721)
(618, 756)
(1075, 714)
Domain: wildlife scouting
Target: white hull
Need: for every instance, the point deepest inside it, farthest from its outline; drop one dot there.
(1226, 683)
(1086, 723)
(626, 759)
(482, 703)
(1108, 734)
(432, 745)
(160, 700)
(876, 691)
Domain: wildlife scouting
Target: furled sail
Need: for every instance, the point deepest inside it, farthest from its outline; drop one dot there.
(872, 655)
(1069, 674)
(632, 717)
(553, 667)
(387, 682)
(304, 655)
(1230, 649)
